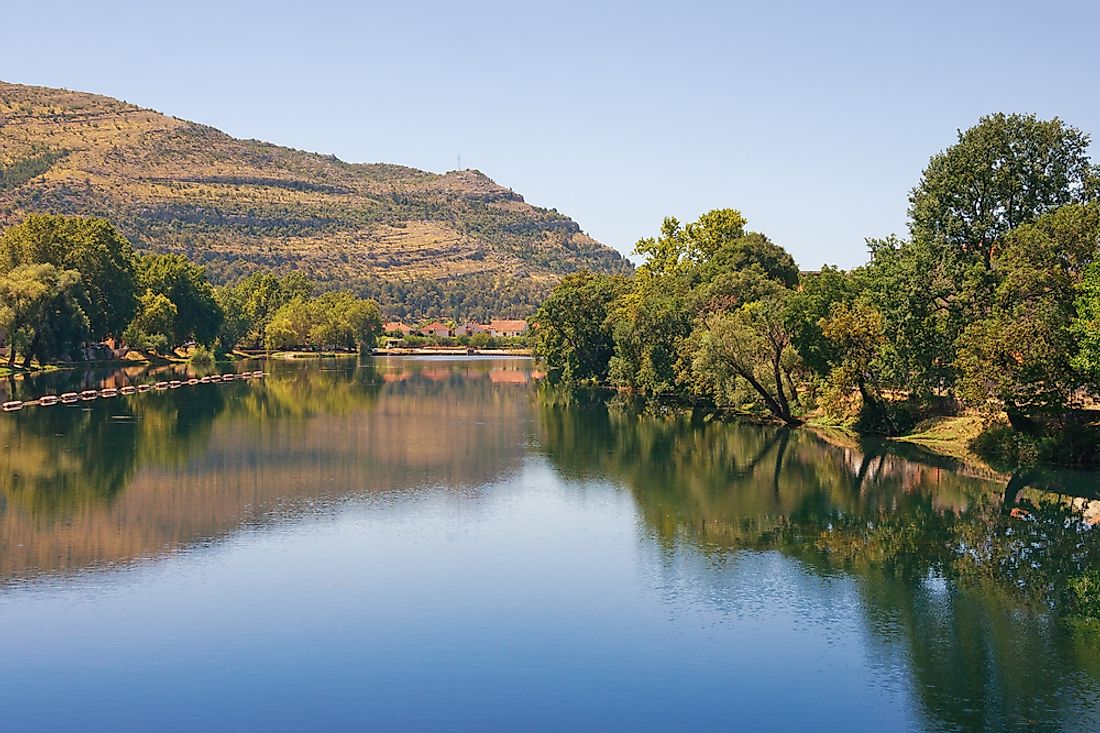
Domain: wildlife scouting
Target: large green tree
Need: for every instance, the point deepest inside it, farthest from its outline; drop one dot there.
(336, 319)
(1086, 323)
(1024, 356)
(183, 283)
(691, 271)
(41, 312)
(154, 325)
(340, 319)
(1005, 171)
(748, 346)
(92, 247)
(572, 333)
(916, 293)
(855, 333)
(817, 293)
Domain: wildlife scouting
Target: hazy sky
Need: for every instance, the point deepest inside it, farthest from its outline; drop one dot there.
(813, 118)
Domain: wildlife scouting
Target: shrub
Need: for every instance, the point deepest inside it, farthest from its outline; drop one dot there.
(201, 357)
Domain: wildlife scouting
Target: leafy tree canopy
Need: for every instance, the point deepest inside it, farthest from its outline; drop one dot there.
(183, 283)
(92, 247)
(1004, 172)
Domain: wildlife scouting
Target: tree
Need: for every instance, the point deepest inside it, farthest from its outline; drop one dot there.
(235, 325)
(713, 231)
(341, 320)
(1004, 172)
(249, 305)
(916, 293)
(1025, 354)
(184, 283)
(1086, 323)
(647, 326)
(572, 332)
(808, 306)
(749, 250)
(154, 326)
(41, 311)
(364, 319)
(749, 345)
(679, 246)
(334, 319)
(856, 334)
(289, 326)
(102, 257)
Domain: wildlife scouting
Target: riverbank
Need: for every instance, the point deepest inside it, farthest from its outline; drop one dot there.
(449, 351)
(950, 436)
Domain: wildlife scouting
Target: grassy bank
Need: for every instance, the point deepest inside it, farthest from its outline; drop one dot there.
(952, 436)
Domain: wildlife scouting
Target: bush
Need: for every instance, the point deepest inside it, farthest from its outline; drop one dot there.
(201, 357)
(1065, 444)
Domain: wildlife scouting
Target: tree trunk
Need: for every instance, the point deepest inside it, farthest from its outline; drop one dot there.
(878, 410)
(1020, 422)
(29, 353)
(773, 405)
(780, 393)
(791, 387)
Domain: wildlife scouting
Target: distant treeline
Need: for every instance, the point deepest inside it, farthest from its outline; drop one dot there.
(992, 304)
(65, 281)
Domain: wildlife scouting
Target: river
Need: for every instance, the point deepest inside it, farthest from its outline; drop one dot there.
(445, 544)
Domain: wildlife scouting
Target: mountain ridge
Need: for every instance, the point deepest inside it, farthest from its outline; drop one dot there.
(240, 205)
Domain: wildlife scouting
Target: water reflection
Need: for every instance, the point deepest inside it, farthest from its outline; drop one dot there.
(738, 523)
(724, 486)
(114, 480)
(981, 656)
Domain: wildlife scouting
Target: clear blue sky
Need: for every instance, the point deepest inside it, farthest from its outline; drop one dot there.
(813, 118)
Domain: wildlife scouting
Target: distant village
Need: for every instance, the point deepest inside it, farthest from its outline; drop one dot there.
(495, 333)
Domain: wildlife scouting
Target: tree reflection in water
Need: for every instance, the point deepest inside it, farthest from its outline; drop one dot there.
(975, 598)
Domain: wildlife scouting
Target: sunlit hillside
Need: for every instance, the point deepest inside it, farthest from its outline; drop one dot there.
(237, 205)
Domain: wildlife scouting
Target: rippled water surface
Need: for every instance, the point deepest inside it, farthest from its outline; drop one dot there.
(440, 544)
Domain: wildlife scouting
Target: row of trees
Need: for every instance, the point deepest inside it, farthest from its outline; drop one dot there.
(66, 281)
(993, 300)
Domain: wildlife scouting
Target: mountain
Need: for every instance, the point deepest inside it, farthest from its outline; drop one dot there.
(423, 243)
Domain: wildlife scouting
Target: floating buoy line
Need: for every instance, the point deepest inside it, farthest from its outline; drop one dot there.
(68, 398)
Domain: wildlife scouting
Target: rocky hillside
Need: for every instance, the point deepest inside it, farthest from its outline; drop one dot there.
(419, 241)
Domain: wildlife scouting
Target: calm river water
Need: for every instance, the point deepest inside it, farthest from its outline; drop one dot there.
(442, 545)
